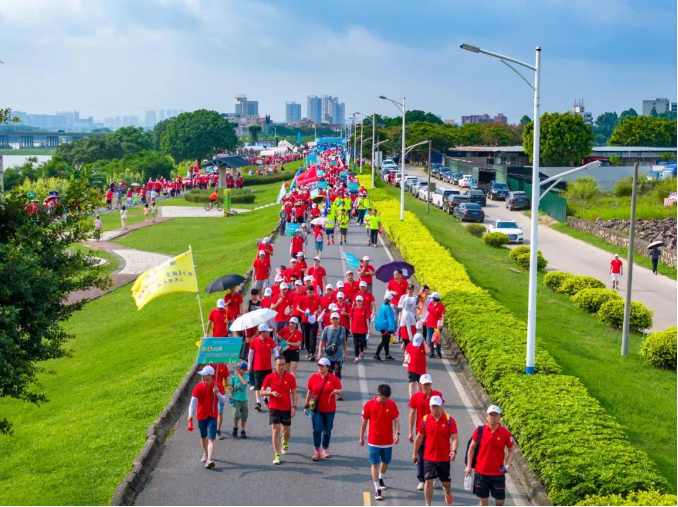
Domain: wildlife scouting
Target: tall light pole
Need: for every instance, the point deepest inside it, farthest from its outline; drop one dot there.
(532, 294)
(375, 146)
(361, 147)
(374, 117)
(402, 157)
(355, 129)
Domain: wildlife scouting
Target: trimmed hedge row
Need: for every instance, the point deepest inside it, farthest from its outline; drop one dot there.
(592, 299)
(238, 196)
(572, 445)
(286, 175)
(612, 314)
(635, 498)
(659, 349)
(521, 256)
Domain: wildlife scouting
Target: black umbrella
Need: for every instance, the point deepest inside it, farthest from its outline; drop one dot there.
(224, 283)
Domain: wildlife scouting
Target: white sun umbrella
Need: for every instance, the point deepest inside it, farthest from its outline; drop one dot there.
(321, 221)
(252, 319)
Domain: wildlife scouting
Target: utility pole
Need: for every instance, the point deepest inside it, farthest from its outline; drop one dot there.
(428, 188)
(374, 117)
(629, 265)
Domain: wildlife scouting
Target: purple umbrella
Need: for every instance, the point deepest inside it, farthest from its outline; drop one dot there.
(385, 272)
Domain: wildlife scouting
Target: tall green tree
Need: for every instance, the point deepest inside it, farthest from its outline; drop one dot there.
(629, 113)
(132, 139)
(644, 131)
(605, 124)
(90, 149)
(197, 135)
(564, 139)
(38, 273)
(254, 132)
(525, 120)
(158, 130)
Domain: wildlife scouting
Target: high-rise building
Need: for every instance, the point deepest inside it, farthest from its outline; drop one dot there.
(339, 112)
(314, 109)
(578, 109)
(244, 107)
(500, 118)
(476, 118)
(150, 120)
(292, 112)
(161, 115)
(252, 108)
(659, 105)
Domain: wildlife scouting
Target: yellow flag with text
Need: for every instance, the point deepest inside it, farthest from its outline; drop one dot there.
(173, 275)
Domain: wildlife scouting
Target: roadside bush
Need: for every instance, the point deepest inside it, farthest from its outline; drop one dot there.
(571, 443)
(584, 188)
(555, 279)
(286, 175)
(635, 498)
(524, 261)
(659, 349)
(612, 314)
(518, 251)
(578, 283)
(592, 299)
(238, 196)
(476, 230)
(623, 188)
(496, 239)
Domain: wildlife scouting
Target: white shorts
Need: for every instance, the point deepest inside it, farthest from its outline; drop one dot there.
(616, 277)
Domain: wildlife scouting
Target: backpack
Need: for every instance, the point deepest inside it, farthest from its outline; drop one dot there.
(475, 454)
(426, 416)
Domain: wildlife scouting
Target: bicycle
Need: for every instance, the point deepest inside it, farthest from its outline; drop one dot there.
(210, 205)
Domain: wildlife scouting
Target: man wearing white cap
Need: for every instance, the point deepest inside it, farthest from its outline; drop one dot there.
(267, 247)
(282, 304)
(366, 272)
(281, 386)
(309, 306)
(276, 286)
(204, 407)
(486, 455)
(319, 275)
(333, 343)
(351, 287)
(323, 388)
(261, 270)
(292, 272)
(419, 407)
(259, 359)
(616, 271)
(292, 337)
(415, 357)
(328, 297)
(297, 243)
(218, 320)
(439, 431)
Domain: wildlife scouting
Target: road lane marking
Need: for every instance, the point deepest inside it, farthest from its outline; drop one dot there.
(364, 390)
(367, 499)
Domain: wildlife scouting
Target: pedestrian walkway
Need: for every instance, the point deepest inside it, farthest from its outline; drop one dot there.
(244, 474)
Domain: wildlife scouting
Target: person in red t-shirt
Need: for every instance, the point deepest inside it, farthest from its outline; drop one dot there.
(351, 287)
(266, 300)
(281, 386)
(233, 301)
(398, 286)
(319, 275)
(322, 388)
(437, 433)
(366, 272)
(328, 297)
(266, 246)
(259, 359)
(297, 243)
(360, 327)
(368, 298)
(204, 407)
(282, 304)
(301, 263)
(616, 270)
(419, 407)
(309, 307)
(344, 312)
(490, 465)
(261, 271)
(381, 413)
(217, 321)
(416, 360)
(434, 320)
(292, 337)
(292, 271)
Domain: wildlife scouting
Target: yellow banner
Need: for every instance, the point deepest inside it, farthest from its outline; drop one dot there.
(174, 275)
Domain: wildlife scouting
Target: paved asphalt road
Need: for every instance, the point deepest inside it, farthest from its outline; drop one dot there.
(244, 474)
(565, 253)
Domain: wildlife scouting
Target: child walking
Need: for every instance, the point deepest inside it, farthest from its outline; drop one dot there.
(237, 387)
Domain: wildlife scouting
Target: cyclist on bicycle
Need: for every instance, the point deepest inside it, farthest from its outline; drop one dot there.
(214, 197)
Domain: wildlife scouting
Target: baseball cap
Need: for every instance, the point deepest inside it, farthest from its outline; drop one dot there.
(264, 327)
(436, 295)
(268, 291)
(323, 361)
(358, 298)
(294, 320)
(340, 294)
(298, 282)
(279, 278)
(329, 286)
(436, 400)
(349, 272)
(388, 295)
(334, 315)
(221, 303)
(616, 255)
(300, 254)
(308, 279)
(242, 366)
(284, 286)
(366, 258)
(207, 370)
(333, 306)
(425, 379)
(316, 258)
(266, 240)
(262, 252)
(363, 283)
(493, 408)
(417, 339)
(293, 260)
(340, 284)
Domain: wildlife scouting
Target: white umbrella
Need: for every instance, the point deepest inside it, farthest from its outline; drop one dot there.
(655, 244)
(321, 221)
(252, 319)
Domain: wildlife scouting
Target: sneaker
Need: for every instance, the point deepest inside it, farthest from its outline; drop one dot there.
(311, 358)
(389, 358)
(243, 434)
(378, 495)
(316, 456)
(420, 486)
(356, 360)
(277, 460)
(382, 486)
(325, 454)
(234, 432)
(204, 458)
(440, 356)
(285, 448)
(449, 498)
(432, 355)
(219, 436)
(257, 406)
(377, 358)
(210, 464)
(266, 401)
(251, 388)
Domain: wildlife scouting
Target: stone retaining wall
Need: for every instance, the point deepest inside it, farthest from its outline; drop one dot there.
(614, 237)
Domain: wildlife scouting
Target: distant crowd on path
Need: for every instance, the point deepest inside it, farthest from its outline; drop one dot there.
(311, 314)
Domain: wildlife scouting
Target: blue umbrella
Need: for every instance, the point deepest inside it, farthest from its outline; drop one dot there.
(385, 272)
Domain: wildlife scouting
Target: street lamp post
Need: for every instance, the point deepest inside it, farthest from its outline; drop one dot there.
(374, 151)
(532, 294)
(402, 157)
(374, 117)
(361, 147)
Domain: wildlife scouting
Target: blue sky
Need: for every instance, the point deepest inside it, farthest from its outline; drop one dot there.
(119, 57)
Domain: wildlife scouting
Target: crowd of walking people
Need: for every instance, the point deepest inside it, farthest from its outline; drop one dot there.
(319, 319)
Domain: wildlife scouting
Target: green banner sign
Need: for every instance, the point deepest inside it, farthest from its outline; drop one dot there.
(219, 350)
(227, 201)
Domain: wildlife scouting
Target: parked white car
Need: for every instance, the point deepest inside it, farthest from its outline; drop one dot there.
(441, 194)
(465, 181)
(508, 227)
(422, 193)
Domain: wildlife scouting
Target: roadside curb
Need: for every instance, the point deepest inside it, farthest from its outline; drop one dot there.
(158, 432)
(521, 472)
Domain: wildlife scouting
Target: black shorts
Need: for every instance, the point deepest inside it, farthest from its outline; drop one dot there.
(291, 355)
(483, 485)
(283, 417)
(437, 469)
(259, 376)
(300, 220)
(413, 377)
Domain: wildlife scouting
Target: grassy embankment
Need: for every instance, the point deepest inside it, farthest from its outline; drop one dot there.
(75, 449)
(641, 398)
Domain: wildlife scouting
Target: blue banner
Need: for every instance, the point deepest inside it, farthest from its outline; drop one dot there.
(291, 229)
(219, 350)
(352, 260)
(322, 184)
(353, 186)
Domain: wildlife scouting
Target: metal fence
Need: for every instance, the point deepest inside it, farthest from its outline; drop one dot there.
(552, 204)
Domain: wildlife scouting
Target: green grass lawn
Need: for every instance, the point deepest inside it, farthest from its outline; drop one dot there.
(663, 269)
(641, 398)
(113, 261)
(75, 449)
(29, 151)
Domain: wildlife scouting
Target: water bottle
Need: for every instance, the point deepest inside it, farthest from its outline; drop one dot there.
(468, 482)
(307, 412)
